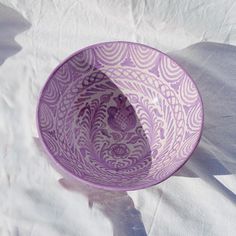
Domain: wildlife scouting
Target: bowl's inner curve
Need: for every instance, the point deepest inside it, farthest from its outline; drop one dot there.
(120, 115)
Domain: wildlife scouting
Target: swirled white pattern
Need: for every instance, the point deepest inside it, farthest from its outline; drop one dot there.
(187, 91)
(142, 56)
(120, 115)
(83, 62)
(111, 54)
(169, 70)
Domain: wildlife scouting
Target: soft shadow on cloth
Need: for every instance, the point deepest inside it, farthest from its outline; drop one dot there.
(213, 67)
(11, 24)
(117, 206)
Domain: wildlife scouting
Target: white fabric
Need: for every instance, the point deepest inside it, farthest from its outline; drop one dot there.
(198, 200)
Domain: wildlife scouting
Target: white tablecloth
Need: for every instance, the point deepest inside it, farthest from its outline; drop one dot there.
(35, 35)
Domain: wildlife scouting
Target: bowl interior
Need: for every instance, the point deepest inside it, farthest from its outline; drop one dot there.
(120, 116)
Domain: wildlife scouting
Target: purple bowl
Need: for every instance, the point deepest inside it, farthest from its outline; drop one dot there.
(119, 116)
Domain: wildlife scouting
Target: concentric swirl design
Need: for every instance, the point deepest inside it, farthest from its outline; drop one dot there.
(119, 116)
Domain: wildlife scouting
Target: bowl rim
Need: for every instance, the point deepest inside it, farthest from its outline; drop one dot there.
(66, 173)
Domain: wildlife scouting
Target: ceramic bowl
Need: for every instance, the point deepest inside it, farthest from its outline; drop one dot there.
(119, 116)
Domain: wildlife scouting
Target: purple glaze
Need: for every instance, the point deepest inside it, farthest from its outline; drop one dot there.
(119, 116)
